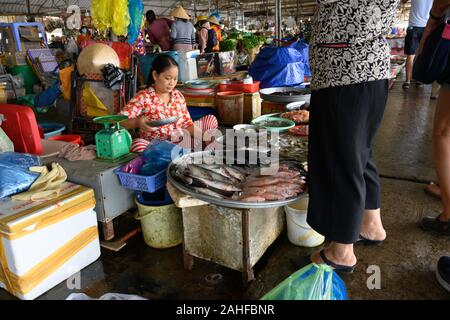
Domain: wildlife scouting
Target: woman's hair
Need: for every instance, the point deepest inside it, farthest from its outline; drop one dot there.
(162, 63)
(184, 20)
(150, 15)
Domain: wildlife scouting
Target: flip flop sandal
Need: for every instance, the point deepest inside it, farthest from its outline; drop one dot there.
(431, 193)
(430, 224)
(337, 267)
(368, 242)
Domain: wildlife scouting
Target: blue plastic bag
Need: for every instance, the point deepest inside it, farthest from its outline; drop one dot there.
(14, 179)
(281, 66)
(136, 11)
(313, 282)
(23, 160)
(158, 156)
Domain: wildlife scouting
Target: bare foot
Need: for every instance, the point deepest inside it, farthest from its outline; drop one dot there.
(372, 227)
(433, 189)
(347, 258)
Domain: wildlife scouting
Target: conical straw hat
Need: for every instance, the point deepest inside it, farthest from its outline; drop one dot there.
(213, 20)
(94, 57)
(179, 12)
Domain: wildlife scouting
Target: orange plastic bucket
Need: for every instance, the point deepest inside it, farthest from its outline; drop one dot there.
(71, 138)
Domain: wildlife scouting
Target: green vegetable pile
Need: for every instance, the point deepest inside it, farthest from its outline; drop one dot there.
(253, 41)
(228, 45)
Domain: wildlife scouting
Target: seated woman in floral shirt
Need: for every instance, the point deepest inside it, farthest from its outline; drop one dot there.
(162, 101)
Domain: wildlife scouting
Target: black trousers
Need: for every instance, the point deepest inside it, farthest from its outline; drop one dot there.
(343, 179)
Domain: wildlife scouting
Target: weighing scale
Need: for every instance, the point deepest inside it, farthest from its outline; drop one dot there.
(113, 142)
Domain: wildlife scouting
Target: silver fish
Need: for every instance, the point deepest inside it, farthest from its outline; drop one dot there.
(227, 187)
(218, 169)
(197, 172)
(209, 192)
(181, 177)
(214, 175)
(235, 173)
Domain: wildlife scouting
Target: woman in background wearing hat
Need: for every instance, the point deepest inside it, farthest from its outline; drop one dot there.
(215, 25)
(183, 31)
(158, 30)
(203, 29)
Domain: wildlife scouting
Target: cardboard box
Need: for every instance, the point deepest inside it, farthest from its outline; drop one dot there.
(45, 242)
(226, 62)
(207, 65)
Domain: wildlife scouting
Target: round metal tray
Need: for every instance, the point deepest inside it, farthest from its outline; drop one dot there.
(304, 94)
(163, 122)
(225, 202)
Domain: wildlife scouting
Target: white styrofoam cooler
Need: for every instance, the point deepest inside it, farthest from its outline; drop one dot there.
(188, 54)
(188, 69)
(188, 65)
(44, 243)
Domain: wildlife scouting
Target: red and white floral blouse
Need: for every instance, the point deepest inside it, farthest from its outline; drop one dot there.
(147, 103)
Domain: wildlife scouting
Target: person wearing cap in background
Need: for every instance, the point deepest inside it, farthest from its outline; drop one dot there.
(158, 30)
(215, 25)
(183, 31)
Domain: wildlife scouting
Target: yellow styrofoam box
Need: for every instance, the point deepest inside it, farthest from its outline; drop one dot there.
(45, 242)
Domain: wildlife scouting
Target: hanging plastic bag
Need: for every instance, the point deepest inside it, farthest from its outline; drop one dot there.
(14, 179)
(95, 107)
(136, 10)
(23, 160)
(313, 282)
(120, 17)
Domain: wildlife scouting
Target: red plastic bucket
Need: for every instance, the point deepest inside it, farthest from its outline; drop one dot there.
(71, 138)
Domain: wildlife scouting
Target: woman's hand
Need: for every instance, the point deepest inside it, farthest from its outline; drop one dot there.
(142, 125)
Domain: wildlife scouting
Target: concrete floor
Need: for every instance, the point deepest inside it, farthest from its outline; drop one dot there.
(407, 259)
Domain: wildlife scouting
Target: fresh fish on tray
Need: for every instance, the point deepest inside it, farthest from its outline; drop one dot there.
(241, 182)
(209, 192)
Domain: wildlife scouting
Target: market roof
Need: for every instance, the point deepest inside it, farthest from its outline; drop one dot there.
(300, 8)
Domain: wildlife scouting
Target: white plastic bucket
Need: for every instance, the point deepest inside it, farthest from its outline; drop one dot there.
(299, 232)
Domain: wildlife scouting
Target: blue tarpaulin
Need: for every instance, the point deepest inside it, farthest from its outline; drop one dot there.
(281, 66)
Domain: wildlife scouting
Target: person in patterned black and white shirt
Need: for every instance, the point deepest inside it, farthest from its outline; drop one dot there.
(350, 64)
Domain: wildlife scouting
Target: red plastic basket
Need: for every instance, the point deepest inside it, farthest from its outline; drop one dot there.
(239, 86)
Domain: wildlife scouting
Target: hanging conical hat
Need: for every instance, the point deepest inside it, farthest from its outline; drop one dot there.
(214, 20)
(179, 12)
(94, 57)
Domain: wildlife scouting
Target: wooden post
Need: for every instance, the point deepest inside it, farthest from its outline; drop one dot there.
(247, 272)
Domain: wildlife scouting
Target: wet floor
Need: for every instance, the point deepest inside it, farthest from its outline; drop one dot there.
(406, 260)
